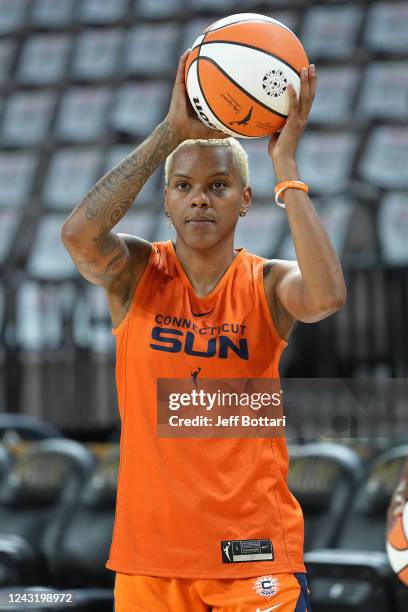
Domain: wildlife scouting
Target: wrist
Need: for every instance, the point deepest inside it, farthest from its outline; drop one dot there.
(285, 169)
(176, 129)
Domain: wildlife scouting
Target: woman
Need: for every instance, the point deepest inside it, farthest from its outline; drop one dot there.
(203, 523)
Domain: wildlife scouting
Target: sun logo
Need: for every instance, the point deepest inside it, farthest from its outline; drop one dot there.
(266, 586)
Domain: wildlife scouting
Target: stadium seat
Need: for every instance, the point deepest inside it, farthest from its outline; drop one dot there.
(87, 535)
(386, 27)
(51, 14)
(43, 59)
(83, 544)
(97, 54)
(150, 50)
(262, 179)
(335, 95)
(36, 499)
(12, 15)
(384, 78)
(337, 215)
(101, 11)
(158, 9)
(331, 31)
(261, 230)
(49, 260)
(199, 6)
(357, 574)
(71, 172)
(323, 477)
(17, 169)
(393, 227)
(25, 427)
(385, 158)
(139, 107)
(27, 118)
(326, 160)
(82, 115)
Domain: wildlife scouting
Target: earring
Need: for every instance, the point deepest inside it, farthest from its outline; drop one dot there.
(242, 212)
(169, 218)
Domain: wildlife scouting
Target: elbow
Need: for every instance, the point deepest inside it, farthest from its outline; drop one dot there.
(66, 235)
(333, 302)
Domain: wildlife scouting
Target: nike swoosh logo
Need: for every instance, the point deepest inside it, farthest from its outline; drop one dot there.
(268, 609)
(201, 314)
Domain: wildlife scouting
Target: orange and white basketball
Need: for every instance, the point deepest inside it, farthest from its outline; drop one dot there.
(397, 546)
(238, 71)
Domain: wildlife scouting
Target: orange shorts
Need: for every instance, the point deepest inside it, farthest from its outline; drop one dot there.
(281, 592)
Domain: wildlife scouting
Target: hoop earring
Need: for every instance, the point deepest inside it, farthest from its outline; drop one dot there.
(169, 218)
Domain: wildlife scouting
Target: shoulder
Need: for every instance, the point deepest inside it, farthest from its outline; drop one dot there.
(274, 270)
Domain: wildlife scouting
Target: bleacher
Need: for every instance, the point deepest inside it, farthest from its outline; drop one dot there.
(82, 83)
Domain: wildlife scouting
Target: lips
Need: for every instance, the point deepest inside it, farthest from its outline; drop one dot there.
(200, 220)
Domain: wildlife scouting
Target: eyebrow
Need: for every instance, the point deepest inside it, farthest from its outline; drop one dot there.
(222, 173)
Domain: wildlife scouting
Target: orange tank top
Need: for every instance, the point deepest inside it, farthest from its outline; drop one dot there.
(181, 501)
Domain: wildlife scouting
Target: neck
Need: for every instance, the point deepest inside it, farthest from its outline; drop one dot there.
(205, 268)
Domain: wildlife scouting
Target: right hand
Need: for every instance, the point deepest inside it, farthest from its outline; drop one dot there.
(181, 115)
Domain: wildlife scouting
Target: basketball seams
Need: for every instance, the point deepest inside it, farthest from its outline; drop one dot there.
(241, 44)
(247, 93)
(205, 99)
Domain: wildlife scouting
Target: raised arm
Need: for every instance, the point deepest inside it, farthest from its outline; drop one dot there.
(103, 257)
(312, 287)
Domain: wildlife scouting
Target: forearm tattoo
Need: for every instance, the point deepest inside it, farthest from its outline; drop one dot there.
(112, 196)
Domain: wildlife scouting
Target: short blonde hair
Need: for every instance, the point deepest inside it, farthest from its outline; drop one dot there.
(239, 155)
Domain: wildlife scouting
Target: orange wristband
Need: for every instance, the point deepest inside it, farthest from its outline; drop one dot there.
(280, 187)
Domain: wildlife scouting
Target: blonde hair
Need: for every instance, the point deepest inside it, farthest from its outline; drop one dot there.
(239, 156)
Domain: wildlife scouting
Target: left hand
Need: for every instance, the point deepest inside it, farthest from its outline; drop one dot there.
(283, 145)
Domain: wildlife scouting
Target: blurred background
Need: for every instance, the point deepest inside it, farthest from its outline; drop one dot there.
(82, 83)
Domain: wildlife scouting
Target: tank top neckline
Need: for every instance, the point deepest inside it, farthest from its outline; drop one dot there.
(220, 283)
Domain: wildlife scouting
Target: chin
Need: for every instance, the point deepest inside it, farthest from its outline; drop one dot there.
(200, 243)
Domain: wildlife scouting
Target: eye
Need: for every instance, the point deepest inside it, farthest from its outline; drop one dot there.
(182, 186)
(219, 185)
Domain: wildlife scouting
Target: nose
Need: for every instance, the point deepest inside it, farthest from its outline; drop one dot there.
(199, 199)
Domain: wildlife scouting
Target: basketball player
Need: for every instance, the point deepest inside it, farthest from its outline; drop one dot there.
(203, 524)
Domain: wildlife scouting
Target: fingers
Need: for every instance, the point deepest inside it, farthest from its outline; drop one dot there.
(181, 67)
(307, 90)
(293, 101)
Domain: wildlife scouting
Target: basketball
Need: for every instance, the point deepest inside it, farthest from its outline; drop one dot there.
(238, 71)
(397, 546)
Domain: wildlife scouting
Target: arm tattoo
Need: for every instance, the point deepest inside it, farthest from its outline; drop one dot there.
(112, 196)
(92, 268)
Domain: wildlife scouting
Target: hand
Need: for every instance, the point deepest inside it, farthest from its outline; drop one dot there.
(397, 503)
(283, 145)
(181, 114)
